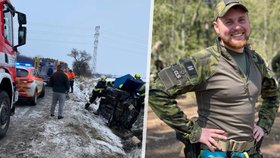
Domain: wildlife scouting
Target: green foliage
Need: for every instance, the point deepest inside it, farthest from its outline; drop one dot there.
(185, 26)
(264, 17)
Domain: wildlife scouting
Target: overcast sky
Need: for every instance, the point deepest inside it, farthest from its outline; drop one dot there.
(55, 27)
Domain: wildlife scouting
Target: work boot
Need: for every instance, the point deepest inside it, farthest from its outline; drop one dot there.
(87, 106)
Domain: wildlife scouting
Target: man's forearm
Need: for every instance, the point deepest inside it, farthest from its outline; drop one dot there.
(165, 107)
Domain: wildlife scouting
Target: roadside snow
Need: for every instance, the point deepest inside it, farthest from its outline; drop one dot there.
(80, 133)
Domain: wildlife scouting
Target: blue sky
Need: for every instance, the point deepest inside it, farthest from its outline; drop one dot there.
(55, 27)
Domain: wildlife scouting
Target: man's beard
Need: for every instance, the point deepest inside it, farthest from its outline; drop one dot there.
(235, 44)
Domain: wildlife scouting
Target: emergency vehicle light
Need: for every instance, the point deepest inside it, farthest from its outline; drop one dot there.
(24, 64)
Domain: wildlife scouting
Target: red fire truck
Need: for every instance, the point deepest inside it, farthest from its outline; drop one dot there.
(8, 49)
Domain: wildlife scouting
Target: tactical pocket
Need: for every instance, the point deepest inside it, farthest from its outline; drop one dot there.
(172, 76)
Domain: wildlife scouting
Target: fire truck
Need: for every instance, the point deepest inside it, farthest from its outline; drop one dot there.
(8, 52)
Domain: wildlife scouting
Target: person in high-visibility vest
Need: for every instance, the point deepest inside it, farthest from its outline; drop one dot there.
(137, 76)
(71, 76)
(66, 73)
(97, 91)
(139, 104)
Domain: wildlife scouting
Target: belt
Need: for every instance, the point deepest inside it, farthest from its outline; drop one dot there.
(233, 145)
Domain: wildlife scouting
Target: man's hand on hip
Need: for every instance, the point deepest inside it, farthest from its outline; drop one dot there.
(258, 132)
(208, 135)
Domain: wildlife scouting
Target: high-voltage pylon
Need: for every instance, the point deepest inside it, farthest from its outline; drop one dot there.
(96, 35)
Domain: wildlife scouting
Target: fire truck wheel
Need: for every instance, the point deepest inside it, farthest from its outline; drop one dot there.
(34, 98)
(5, 113)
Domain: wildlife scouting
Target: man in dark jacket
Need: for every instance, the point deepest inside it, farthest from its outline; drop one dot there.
(60, 83)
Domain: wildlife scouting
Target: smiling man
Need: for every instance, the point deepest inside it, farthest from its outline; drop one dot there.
(227, 79)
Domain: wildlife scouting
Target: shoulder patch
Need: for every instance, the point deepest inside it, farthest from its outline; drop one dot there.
(189, 67)
(173, 75)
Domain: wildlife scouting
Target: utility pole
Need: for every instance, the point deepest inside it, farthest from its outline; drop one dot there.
(96, 35)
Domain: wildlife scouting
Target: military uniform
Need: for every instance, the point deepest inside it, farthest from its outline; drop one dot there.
(275, 64)
(226, 96)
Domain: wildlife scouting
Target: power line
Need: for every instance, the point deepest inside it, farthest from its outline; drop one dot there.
(110, 38)
(58, 26)
(51, 33)
(126, 41)
(58, 41)
(126, 50)
(125, 36)
(88, 29)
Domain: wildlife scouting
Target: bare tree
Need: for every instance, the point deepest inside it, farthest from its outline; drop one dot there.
(81, 64)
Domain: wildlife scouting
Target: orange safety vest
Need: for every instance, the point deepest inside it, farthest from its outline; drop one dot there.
(71, 75)
(66, 73)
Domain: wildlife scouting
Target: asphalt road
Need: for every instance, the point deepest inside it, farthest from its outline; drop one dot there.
(24, 127)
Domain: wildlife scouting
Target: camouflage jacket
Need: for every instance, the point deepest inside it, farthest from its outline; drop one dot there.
(275, 64)
(202, 73)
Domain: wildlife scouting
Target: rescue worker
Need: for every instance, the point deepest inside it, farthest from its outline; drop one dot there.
(275, 64)
(98, 91)
(110, 83)
(137, 108)
(71, 76)
(227, 79)
(120, 86)
(137, 76)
